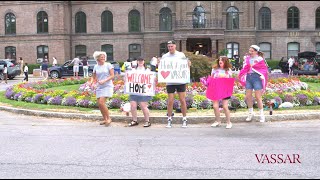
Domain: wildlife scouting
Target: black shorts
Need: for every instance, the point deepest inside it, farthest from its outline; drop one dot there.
(227, 98)
(179, 88)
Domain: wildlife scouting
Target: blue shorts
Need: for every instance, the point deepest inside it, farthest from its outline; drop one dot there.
(253, 81)
(139, 99)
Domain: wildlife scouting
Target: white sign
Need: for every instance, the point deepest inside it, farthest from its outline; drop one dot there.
(140, 83)
(172, 70)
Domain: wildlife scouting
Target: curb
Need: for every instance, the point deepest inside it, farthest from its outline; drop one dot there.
(161, 119)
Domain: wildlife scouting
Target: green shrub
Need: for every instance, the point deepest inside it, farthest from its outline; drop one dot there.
(273, 64)
(200, 66)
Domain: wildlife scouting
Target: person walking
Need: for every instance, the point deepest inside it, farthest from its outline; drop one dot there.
(221, 69)
(76, 63)
(290, 63)
(85, 67)
(139, 99)
(103, 74)
(26, 70)
(54, 62)
(5, 73)
(254, 76)
(21, 65)
(45, 69)
(173, 87)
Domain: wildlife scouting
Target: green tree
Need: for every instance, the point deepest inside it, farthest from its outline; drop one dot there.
(200, 65)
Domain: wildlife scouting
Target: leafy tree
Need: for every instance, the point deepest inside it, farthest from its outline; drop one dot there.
(200, 65)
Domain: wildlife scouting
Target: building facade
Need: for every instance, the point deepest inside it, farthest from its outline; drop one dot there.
(124, 29)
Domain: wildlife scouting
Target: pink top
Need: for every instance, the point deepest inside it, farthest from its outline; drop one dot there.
(259, 67)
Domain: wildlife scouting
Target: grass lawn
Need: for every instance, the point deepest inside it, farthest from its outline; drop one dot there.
(67, 88)
(314, 86)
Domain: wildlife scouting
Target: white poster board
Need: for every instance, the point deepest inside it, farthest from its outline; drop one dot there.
(173, 70)
(140, 83)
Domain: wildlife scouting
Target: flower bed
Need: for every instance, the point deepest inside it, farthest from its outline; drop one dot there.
(279, 89)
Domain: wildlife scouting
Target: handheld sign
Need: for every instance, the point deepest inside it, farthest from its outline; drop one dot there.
(173, 70)
(140, 83)
(219, 88)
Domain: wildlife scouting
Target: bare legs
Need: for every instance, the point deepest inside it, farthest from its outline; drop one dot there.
(217, 111)
(144, 108)
(104, 110)
(182, 98)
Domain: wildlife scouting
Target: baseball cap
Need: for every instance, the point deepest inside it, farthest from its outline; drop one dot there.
(257, 48)
(171, 42)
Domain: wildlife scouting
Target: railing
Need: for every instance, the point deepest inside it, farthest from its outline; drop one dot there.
(207, 23)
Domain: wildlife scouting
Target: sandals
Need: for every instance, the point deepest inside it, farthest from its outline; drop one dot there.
(147, 124)
(133, 123)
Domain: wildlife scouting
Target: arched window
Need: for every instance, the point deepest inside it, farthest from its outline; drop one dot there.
(265, 47)
(134, 50)
(108, 48)
(134, 21)
(264, 18)
(106, 21)
(163, 49)
(318, 18)
(10, 52)
(232, 18)
(198, 17)
(80, 50)
(10, 23)
(293, 49)
(165, 19)
(42, 22)
(81, 22)
(233, 48)
(293, 18)
(42, 51)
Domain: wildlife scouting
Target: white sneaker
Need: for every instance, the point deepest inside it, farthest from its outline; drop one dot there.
(216, 124)
(184, 123)
(262, 118)
(229, 126)
(169, 123)
(250, 116)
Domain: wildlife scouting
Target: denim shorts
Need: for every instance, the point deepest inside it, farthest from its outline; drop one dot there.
(253, 81)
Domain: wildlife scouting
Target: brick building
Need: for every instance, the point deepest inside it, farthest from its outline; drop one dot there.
(65, 29)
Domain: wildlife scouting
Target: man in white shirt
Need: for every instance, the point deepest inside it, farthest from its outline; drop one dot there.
(291, 62)
(76, 63)
(173, 87)
(153, 63)
(26, 69)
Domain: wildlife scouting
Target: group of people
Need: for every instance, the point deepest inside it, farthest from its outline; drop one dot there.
(253, 76)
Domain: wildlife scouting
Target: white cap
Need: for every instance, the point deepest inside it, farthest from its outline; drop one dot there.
(255, 47)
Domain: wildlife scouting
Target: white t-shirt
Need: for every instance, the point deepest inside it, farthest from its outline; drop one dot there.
(290, 62)
(26, 69)
(153, 61)
(5, 70)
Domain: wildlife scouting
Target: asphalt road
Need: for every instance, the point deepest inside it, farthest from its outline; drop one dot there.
(37, 147)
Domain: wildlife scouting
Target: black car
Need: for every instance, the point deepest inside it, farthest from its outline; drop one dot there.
(67, 69)
(308, 57)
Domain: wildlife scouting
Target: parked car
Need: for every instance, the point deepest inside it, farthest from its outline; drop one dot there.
(302, 58)
(67, 69)
(13, 70)
(307, 64)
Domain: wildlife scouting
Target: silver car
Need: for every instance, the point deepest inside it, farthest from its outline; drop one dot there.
(13, 70)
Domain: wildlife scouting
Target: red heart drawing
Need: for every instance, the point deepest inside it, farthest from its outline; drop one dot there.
(149, 86)
(165, 74)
